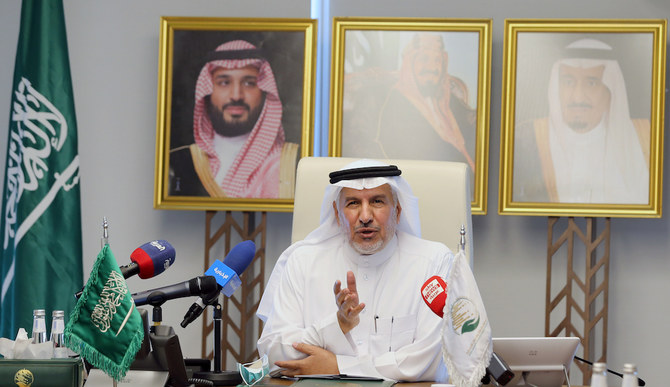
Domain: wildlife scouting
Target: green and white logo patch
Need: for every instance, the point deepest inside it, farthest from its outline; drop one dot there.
(464, 316)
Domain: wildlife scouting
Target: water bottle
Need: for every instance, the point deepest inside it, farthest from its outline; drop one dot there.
(599, 375)
(629, 376)
(58, 335)
(39, 326)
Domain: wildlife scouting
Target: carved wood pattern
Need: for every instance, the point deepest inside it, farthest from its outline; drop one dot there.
(240, 327)
(588, 319)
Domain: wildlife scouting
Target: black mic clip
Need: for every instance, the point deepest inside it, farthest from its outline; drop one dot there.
(212, 297)
(197, 308)
(497, 371)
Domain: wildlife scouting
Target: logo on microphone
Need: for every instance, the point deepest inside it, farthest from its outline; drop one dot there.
(220, 273)
(157, 245)
(223, 274)
(464, 316)
(431, 290)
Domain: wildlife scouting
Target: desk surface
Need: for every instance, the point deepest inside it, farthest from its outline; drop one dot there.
(285, 382)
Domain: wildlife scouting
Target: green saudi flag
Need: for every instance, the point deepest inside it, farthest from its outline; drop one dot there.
(41, 257)
(105, 328)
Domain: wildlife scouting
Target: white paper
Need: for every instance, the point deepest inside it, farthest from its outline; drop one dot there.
(23, 348)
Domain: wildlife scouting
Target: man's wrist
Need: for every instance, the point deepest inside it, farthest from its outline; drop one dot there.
(345, 326)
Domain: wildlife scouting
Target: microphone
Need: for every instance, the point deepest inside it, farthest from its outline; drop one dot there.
(640, 382)
(194, 287)
(227, 277)
(150, 259)
(434, 293)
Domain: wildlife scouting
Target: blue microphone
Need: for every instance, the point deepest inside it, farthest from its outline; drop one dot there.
(227, 274)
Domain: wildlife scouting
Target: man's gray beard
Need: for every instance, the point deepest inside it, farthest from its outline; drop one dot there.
(577, 126)
(391, 227)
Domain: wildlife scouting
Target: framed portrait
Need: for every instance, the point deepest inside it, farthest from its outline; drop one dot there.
(582, 118)
(235, 112)
(413, 89)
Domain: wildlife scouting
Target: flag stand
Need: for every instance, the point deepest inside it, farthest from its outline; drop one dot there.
(586, 270)
(103, 241)
(240, 329)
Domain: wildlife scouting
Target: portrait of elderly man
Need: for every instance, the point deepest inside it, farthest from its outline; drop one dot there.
(346, 298)
(418, 110)
(589, 149)
(240, 149)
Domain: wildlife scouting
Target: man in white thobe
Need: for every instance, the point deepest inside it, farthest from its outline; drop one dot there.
(347, 298)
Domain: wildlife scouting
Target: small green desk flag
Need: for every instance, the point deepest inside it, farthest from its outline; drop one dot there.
(40, 231)
(105, 328)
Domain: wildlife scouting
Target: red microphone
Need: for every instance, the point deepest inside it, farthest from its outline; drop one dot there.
(434, 292)
(150, 259)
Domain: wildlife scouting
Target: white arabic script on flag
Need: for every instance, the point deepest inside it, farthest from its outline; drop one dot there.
(39, 128)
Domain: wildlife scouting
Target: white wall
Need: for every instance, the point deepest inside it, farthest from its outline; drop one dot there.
(114, 59)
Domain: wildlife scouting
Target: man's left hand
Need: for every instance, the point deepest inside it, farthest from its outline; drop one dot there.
(318, 361)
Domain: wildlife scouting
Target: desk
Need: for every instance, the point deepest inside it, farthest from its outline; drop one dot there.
(267, 381)
(284, 382)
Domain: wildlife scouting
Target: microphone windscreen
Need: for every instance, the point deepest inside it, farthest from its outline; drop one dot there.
(153, 257)
(434, 293)
(240, 256)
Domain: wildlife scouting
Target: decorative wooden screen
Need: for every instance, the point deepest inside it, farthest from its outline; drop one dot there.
(240, 327)
(579, 308)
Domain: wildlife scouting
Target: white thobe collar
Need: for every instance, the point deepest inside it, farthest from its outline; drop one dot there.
(226, 149)
(580, 164)
(371, 260)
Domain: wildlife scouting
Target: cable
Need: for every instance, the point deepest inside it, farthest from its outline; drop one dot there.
(201, 382)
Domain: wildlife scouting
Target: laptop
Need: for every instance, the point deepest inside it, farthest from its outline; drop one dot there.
(537, 361)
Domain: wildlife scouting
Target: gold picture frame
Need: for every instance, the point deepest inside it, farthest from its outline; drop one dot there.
(390, 75)
(279, 95)
(582, 118)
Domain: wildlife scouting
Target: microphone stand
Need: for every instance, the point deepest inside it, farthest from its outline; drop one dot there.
(218, 377)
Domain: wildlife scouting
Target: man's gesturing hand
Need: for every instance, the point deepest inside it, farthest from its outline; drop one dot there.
(318, 361)
(347, 303)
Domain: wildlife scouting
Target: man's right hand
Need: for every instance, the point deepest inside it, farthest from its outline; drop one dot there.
(347, 303)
